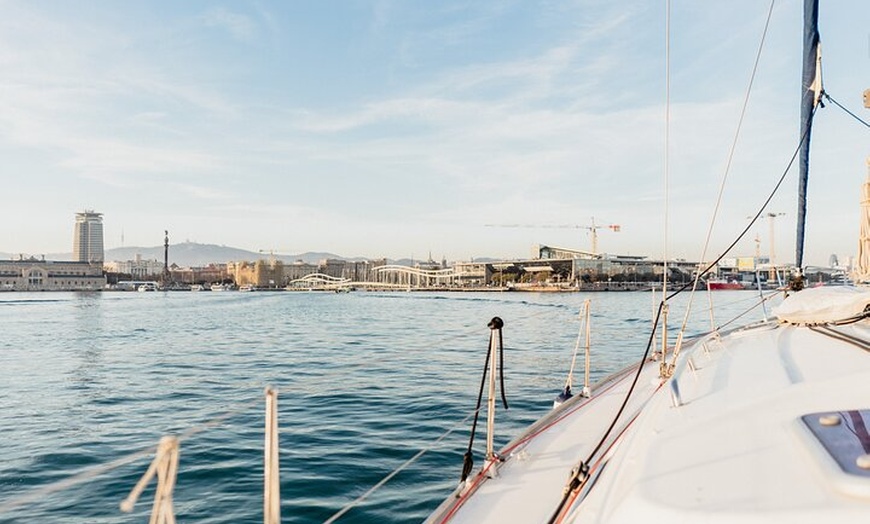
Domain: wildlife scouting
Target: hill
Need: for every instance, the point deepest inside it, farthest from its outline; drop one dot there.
(192, 254)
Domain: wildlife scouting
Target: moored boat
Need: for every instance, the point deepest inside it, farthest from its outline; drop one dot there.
(719, 285)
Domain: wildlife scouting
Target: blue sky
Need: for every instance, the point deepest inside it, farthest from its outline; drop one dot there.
(400, 128)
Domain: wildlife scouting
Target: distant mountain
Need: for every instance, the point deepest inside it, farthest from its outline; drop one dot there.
(192, 254)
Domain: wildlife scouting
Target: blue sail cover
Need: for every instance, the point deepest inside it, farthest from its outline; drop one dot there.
(808, 101)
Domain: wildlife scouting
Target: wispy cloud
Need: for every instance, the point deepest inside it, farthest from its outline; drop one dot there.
(240, 26)
(460, 121)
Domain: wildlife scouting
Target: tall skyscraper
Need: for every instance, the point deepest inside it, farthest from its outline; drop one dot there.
(88, 237)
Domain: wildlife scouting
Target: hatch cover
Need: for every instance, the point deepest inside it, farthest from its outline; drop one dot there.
(845, 435)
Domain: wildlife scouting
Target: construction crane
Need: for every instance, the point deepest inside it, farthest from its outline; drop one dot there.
(771, 217)
(592, 229)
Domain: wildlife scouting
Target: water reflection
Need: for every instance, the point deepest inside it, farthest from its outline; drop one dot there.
(86, 375)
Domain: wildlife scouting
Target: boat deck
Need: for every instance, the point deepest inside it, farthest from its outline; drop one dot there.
(730, 438)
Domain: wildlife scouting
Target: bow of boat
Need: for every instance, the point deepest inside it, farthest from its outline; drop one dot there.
(764, 423)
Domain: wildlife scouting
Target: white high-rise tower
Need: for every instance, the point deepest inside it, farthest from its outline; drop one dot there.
(88, 237)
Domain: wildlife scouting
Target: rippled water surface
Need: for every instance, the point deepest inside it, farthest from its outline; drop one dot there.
(366, 381)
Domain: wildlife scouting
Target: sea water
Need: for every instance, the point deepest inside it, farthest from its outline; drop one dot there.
(366, 381)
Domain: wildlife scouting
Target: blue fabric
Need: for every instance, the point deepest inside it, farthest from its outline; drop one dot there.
(811, 43)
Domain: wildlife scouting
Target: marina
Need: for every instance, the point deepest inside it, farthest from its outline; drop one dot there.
(569, 387)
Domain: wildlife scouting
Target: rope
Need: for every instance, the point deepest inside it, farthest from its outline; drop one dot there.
(843, 337)
(91, 473)
(498, 327)
(610, 383)
(759, 303)
(165, 466)
(74, 480)
(853, 115)
(468, 460)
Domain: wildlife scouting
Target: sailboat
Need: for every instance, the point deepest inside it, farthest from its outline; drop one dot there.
(767, 422)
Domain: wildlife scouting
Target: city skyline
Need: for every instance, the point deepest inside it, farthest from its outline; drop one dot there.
(393, 129)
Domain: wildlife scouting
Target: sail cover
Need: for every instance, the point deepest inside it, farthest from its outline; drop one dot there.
(810, 92)
(824, 304)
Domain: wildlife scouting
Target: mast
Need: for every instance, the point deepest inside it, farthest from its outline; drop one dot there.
(811, 90)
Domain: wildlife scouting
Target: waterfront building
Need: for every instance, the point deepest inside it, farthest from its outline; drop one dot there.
(333, 267)
(362, 271)
(258, 274)
(88, 237)
(550, 252)
(137, 268)
(299, 269)
(199, 275)
(472, 274)
(32, 274)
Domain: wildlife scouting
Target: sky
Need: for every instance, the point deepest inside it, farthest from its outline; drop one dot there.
(408, 128)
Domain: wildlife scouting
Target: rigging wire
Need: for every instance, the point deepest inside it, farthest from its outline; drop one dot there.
(662, 306)
(666, 173)
(853, 115)
(577, 484)
(725, 178)
(754, 219)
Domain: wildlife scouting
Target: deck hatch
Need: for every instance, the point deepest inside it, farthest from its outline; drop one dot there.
(845, 436)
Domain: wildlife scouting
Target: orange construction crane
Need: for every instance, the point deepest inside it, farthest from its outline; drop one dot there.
(593, 229)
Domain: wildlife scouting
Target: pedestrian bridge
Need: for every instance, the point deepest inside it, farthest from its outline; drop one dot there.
(382, 277)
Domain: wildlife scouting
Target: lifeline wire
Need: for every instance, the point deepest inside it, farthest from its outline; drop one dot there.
(396, 471)
(86, 475)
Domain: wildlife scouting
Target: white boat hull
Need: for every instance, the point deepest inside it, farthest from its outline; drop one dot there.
(723, 440)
